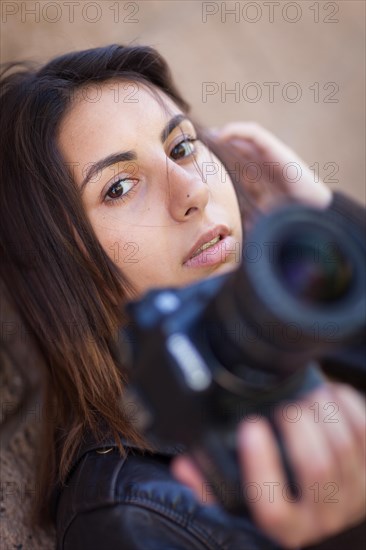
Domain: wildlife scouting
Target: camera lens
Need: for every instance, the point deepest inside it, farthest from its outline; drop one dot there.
(313, 269)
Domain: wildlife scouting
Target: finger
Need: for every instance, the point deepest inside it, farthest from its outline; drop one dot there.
(262, 470)
(185, 470)
(248, 150)
(354, 405)
(327, 463)
(248, 137)
(264, 140)
(347, 439)
(315, 465)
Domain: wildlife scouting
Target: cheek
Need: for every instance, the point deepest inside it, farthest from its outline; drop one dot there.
(224, 194)
(218, 180)
(120, 243)
(139, 252)
(124, 248)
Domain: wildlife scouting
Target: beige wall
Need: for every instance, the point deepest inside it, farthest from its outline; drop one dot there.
(322, 48)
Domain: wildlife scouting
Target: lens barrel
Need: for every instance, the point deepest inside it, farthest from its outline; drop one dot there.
(303, 293)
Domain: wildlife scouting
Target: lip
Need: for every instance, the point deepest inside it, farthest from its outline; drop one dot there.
(217, 231)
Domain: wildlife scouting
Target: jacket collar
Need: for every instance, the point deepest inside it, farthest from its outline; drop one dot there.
(89, 444)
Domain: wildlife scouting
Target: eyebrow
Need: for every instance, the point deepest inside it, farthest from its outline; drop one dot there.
(128, 156)
(170, 125)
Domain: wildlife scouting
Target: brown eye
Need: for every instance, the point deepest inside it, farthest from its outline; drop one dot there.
(120, 188)
(116, 190)
(183, 149)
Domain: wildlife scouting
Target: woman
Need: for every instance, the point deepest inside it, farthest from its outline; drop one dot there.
(108, 190)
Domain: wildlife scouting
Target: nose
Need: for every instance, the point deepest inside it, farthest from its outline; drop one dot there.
(187, 194)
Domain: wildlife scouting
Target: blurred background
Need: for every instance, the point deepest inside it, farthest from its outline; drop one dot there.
(297, 68)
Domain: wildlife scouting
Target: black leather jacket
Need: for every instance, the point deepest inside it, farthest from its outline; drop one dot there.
(134, 503)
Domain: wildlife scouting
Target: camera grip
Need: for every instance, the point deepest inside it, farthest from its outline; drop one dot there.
(216, 455)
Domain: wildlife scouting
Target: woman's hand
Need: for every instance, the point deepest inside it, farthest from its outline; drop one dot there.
(272, 171)
(326, 448)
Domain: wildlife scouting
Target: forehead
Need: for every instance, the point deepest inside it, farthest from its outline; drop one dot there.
(97, 106)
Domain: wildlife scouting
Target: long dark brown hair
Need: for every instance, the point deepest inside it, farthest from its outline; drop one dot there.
(54, 270)
(53, 267)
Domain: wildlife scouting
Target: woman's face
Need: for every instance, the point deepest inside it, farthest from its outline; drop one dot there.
(155, 196)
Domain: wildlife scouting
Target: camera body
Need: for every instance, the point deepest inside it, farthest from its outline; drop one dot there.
(210, 354)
